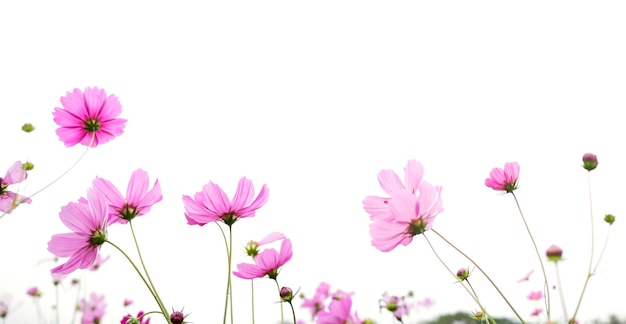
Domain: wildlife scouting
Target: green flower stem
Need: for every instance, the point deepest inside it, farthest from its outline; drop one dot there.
(143, 265)
(229, 290)
(543, 269)
(252, 286)
(488, 318)
(558, 282)
(56, 296)
(161, 307)
(482, 271)
(293, 312)
(282, 316)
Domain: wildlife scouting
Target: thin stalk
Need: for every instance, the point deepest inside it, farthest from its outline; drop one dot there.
(558, 282)
(282, 316)
(483, 272)
(293, 312)
(56, 296)
(252, 286)
(228, 280)
(543, 269)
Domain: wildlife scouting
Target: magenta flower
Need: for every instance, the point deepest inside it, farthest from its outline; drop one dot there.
(389, 181)
(536, 312)
(9, 200)
(212, 204)
(88, 114)
(318, 302)
(267, 263)
(34, 292)
(127, 302)
(93, 310)
(394, 304)
(88, 220)
(504, 179)
(339, 311)
(410, 216)
(140, 319)
(139, 198)
(535, 295)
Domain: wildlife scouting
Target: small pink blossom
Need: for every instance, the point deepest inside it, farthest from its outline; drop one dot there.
(535, 295)
(4, 309)
(88, 219)
(139, 198)
(504, 179)
(267, 263)
(536, 312)
(127, 302)
(339, 311)
(57, 277)
(88, 114)
(526, 277)
(318, 302)
(426, 302)
(138, 319)
(10, 200)
(34, 292)
(394, 304)
(213, 205)
(93, 310)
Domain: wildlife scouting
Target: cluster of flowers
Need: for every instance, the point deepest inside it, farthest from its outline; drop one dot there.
(408, 209)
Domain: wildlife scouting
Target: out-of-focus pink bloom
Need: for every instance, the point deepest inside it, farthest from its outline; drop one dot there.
(267, 263)
(140, 318)
(535, 295)
(318, 302)
(93, 310)
(99, 261)
(536, 312)
(339, 311)
(504, 179)
(410, 216)
(88, 114)
(426, 302)
(526, 277)
(57, 277)
(88, 220)
(127, 302)
(8, 199)
(252, 248)
(377, 207)
(139, 198)
(212, 204)
(4, 309)
(394, 304)
(33, 291)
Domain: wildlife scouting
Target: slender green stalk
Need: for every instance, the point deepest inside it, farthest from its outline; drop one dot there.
(589, 272)
(252, 286)
(282, 316)
(158, 301)
(543, 269)
(558, 282)
(293, 312)
(143, 265)
(487, 316)
(229, 290)
(482, 271)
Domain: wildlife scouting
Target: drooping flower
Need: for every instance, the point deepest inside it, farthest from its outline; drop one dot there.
(139, 319)
(88, 114)
(504, 179)
(213, 205)
(535, 295)
(377, 207)
(87, 218)
(394, 304)
(267, 263)
(9, 200)
(139, 198)
(93, 310)
(339, 311)
(410, 216)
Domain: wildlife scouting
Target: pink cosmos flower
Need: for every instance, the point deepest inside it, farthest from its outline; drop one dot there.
(138, 319)
(318, 302)
(212, 204)
(267, 263)
(394, 304)
(410, 216)
(139, 198)
(426, 302)
(88, 220)
(98, 262)
(88, 114)
(535, 295)
(34, 292)
(504, 179)
(536, 312)
(4, 309)
(9, 200)
(339, 311)
(389, 181)
(93, 310)
(127, 302)
(252, 248)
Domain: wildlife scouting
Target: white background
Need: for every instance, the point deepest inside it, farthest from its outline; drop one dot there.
(314, 99)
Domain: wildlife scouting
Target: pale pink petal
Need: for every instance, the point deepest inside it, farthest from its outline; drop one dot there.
(377, 207)
(260, 200)
(243, 195)
(272, 237)
(413, 175)
(389, 181)
(15, 174)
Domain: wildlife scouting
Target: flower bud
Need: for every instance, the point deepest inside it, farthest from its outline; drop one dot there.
(609, 219)
(462, 274)
(554, 253)
(286, 294)
(28, 166)
(590, 161)
(28, 127)
(177, 317)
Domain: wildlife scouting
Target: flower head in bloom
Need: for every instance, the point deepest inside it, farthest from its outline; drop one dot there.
(87, 218)
(252, 248)
(504, 179)
(34, 292)
(86, 115)
(139, 198)
(9, 200)
(377, 207)
(57, 277)
(554, 253)
(318, 302)
(93, 310)
(339, 311)
(266, 263)
(535, 295)
(213, 205)
(590, 161)
(394, 304)
(139, 319)
(410, 216)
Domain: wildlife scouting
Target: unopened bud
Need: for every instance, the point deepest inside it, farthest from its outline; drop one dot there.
(462, 274)
(28, 127)
(609, 219)
(554, 253)
(286, 294)
(590, 161)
